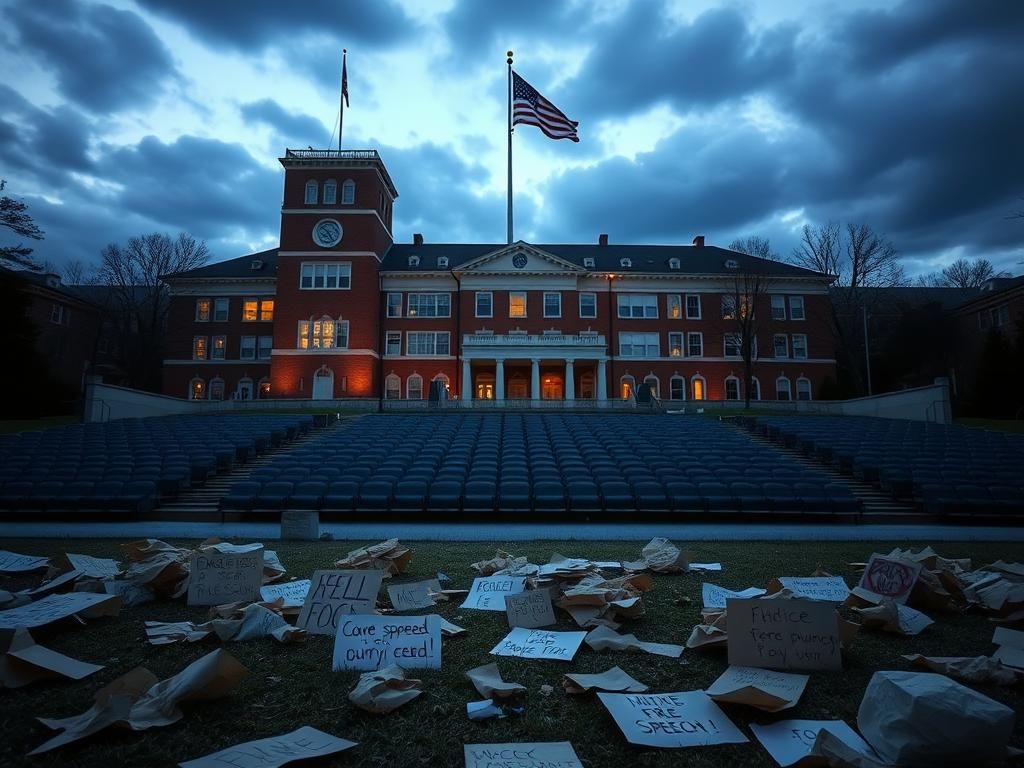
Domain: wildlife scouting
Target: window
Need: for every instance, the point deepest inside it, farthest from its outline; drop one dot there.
(639, 345)
(330, 192)
(800, 346)
(692, 306)
(220, 310)
(778, 307)
(796, 308)
(312, 190)
(414, 261)
(699, 387)
(732, 346)
(266, 345)
(588, 262)
(732, 388)
(423, 343)
(993, 317)
(264, 388)
(484, 304)
(392, 387)
(250, 310)
(638, 305)
(325, 276)
(728, 307)
(673, 263)
(652, 381)
(552, 305)
(442, 262)
(517, 304)
(267, 309)
(341, 334)
(695, 345)
(430, 305)
(675, 307)
(675, 344)
(393, 343)
(324, 333)
(202, 311)
(782, 388)
(394, 305)
(755, 389)
(199, 348)
(414, 387)
(216, 389)
(196, 389)
(625, 262)
(348, 192)
(588, 305)
(247, 350)
(626, 386)
(803, 389)
(781, 345)
(677, 388)
(220, 344)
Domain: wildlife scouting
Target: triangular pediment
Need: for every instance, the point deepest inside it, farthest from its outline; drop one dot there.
(518, 258)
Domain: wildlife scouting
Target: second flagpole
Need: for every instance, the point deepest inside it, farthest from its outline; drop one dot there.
(509, 61)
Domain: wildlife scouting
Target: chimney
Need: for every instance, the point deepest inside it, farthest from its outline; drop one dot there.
(699, 241)
(417, 239)
(602, 239)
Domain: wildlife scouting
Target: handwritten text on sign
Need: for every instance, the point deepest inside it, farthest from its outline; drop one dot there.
(789, 741)
(372, 642)
(530, 609)
(333, 594)
(552, 754)
(539, 644)
(890, 578)
(216, 578)
(302, 744)
(488, 592)
(784, 634)
(685, 719)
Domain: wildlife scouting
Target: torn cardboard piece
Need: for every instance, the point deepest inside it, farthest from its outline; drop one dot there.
(521, 754)
(613, 680)
(255, 622)
(488, 683)
(388, 556)
(969, 669)
(759, 688)
(682, 719)
(530, 609)
(12, 562)
(661, 556)
(158, 565)
(562, 567)
(707, 636)
(85, 605)
(504, 564)
(132, 594)
(450, 630)
(783, 633)
(413, 595)
(301, 744)
(1011, 647)
(25, 662)
(892, 617)
(830, 751)
(334, 594)
(384, 690)
(539, 644)
(604, 639)
(790, 742)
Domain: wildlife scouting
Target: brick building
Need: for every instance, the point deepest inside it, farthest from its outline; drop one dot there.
(340, 310)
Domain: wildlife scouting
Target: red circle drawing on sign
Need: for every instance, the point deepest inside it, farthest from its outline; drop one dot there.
(889, 578)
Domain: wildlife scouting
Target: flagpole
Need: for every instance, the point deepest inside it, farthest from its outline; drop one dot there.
(341, 101)
(509, 60)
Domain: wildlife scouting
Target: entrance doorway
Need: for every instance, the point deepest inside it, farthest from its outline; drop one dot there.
(551, 387)
(323, 384)
(484, 386)
(518, 387)
(244, 391)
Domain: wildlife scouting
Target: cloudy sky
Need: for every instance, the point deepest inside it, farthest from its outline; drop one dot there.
(718, 118)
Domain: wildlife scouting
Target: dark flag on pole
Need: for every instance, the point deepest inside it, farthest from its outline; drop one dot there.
(530, 108)
(344, 80)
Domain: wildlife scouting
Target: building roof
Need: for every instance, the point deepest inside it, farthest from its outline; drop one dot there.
(49, 282)
(238, 268)
(994, 288)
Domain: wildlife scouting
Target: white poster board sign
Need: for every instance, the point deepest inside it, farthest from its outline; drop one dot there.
(12, 562)
(488, 592)
(539, 644)
(715, 596)
(369, 642)
(790, 741)
(831, 589)
(530, 609)
(762, 688)
(889, 577)
(302, 744)
(412, 595)
(216, 578)
(55, 607)
(683, 719)
(552, 754)
(784, 634)
(293, 592)
(333, 594)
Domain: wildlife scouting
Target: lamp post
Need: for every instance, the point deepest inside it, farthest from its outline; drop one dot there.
(867, 349)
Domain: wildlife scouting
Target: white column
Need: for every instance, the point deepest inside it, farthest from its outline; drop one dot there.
(570, 381)
(499, 380)
(467, 384)
(602, 383)
(535, 379)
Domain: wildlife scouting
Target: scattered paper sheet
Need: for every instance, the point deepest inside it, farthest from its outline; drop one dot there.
(94, 567)
(969, 669)
(12, 562)
(891, 616)
(659, 555)
(384, 690)
(25, 662)
(61, 580)
(539, 644)
(255, 622)
(608, 565)
(784, 634)
(488, 592)
(714, 596)
(891, 578)
(522, 755)
(293, 592)
(301, 744)
(483, 710)
(561, 566)
(488, 683)
(705, 566)
(707, 635)
(333, 594)
(530, 609)
(374, 642)
(605, 639)
(87, 605)
(831, 589)
(217, 577)
(614, 681)
(388, 556)
(1011, 647)
(413, 595)
(450, 630)
(759, 688)
(158, 565)
(131, 594)
(504, 564)
(829, 750)
(790, 741)
(683, 719)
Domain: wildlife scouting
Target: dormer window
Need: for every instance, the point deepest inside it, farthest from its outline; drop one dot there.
(673, 263)
(312, 192)
(442, 262)
(414, 261)
(588, 261)
(625, 262)
(732, 264)
(348, 192)
(330, 192)
(256, 265)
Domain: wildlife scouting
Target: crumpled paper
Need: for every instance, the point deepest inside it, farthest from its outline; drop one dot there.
(890, 616)
(255, 622)
(384, 690)
(604, 639)
(159, 565)
(505, 564)
(969, 669)
(613, 680)
(487, 681)
(388, 556)
(661, 556)
(595, 598)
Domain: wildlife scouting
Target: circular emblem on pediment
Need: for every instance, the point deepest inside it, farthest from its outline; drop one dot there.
(327, 233)
(519, 260)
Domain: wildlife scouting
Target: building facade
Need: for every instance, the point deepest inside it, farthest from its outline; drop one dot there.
(340, 310)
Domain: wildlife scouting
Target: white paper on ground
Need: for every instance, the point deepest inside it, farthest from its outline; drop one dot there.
(761, 688)
(682, 719)
(539, 644)
(371, 642)
(55, 607)
(94, 567)
(912, 622)
(488, 592)
(1011, 647)
(715, 596)
(12, 562)
(413, 595)
(522, 755)
(705, 566)
(25, 662)
(613, 680)
(831, 589)
(293, 592)
(301, 744)
(603, 638)
(129, 591)
(789, 741)
(483, 710)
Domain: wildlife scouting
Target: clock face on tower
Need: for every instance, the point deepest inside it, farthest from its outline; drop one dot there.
(327, 233)
(519, 260)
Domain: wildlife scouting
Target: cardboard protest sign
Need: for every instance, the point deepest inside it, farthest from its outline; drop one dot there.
(372, 642)
(292, 592)
(488, 592)
(1011, 647)
(790, 741)
(12, 562)
(715, 596)
(831, 589)
(759, 688)
(530, 609)
(333, 594)
(539, 644)
(784, 634)
(216, 577)
(684, 719)
(889, 578)
(301, 744)
(56, 607)
(523, 755)
(413, 594)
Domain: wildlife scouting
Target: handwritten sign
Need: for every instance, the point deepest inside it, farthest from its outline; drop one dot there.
(684, 719)
(413, 594)
(302, 744)
(12, 562)
(488, 592)
(300, 525)
(790, 741)
(831, 589)
(539, 644)
(94, 567)
(55, 607)
(889, 577)
(530, 609)
(784, 634)
(373, 642)
(715, 596)
(760, 688)
(333, 594)
(551, 754)
(216, 577)
(293, 592)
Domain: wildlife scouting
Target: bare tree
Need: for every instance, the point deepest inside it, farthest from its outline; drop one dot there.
(754, 246)
(820, 249)
(968, 274)
(750, 283)
(78, 272)
(14, 216)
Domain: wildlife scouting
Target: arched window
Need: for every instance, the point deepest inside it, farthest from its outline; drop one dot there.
(677, 388)
(803, 388)
(312, 192)
(699, 388)
(732, 388)
(197, 389)
(782, 390)
(264, 388)
(755, 388)
(217, 389)
(587, 385)
(330, 192)
(654, 383)
(348, 192)
(244, 390)
(414, 387)
(392, 387)
(627, 386)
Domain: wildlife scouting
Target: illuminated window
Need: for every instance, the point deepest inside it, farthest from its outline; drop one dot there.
(324, 333)
(698, 386)
(728, 307)
(517, 304)
(588, 305)
(414, 387)
(312, 191)
(655, 385)
(267, 309)
(732, 388)
(202, 310)
(778, 307)
(484, 304)
(220, 310)
(197, 389)
(782, 390)
(638, 305)
(199, 348)
(250, 310)
(247, 348)
(264, 389)
(627, 384)
(695, 345)
(675, 307)
(394, 305)
(392, 387)
(796, 307)
(552, 304)
(639, 345)
(677, 388)
(800, 346)
(781, 345)
(393, 343)
(803, 389)
(692, 306)
(430, 305)
(675, 344)
(348, 192)
(220, 344)
(266, 346)
(325, 276)
(216, 389)
(330, 192)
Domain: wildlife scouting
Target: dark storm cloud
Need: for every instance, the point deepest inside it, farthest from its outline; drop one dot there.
(42, 145)
(296, 129)
(103, 58)
(481, 32)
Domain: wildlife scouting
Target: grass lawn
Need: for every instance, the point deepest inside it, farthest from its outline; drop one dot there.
(998, 425)
(10, 426)
(291, 686)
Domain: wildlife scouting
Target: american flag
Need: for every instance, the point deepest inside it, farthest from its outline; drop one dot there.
(344, 79)
(530, 108)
